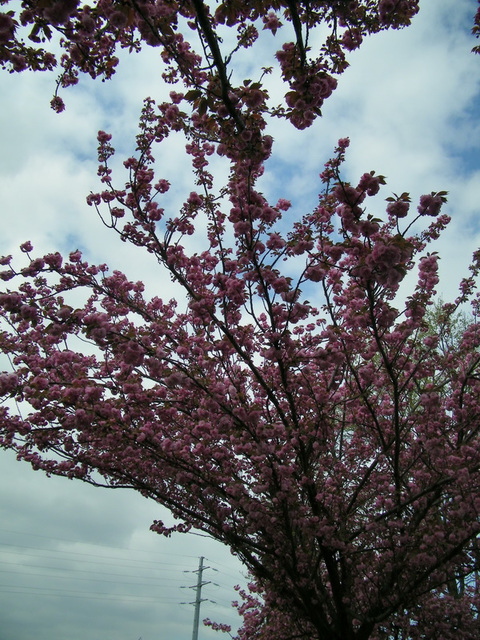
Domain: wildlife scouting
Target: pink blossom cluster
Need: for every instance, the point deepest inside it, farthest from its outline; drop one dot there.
(309, 87)
(91, 35)
(254, 414)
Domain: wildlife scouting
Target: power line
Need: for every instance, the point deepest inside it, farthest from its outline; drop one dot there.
(92, 555)
(84, 595)
(68, 577)
(157, 571)
(148, 589)
(104, 544)
(73, 557)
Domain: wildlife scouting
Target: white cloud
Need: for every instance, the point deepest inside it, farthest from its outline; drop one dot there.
(80, 562)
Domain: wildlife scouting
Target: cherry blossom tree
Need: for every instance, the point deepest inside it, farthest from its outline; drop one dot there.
(332, 444)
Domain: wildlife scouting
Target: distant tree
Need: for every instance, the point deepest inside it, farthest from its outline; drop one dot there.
(332, 444)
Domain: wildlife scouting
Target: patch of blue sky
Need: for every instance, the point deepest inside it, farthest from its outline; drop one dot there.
(73, 242)
(464, 144)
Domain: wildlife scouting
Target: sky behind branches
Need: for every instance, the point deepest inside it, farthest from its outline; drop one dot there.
(79, 563)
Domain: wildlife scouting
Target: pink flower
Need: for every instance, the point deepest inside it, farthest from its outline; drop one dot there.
(57, 104)
(271, 22)
(54, 260)
(133, 354)
(284, 205)
(8, 383)
(118, 19)
(275, 241)
(370, 183)
(385, 8)
(103, 137)
(398, 209)
(348, 194)
(430, 205)
(194, 200)
(75, 256)
(26, 247)
(254, 98)
(7, 28)
(162, 186)
(316, 273)
(352, 39)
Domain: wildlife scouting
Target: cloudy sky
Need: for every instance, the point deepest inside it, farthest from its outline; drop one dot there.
(78, 563)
